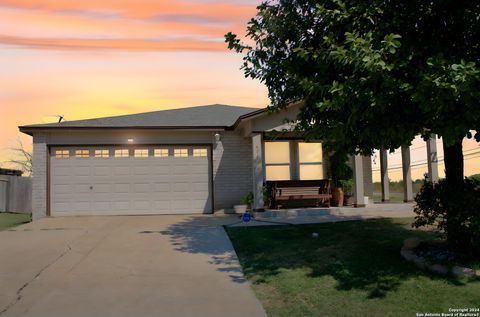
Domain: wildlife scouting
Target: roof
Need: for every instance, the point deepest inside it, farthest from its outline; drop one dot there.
(210, 116)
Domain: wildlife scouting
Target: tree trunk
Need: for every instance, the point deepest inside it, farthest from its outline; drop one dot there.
(453, 157)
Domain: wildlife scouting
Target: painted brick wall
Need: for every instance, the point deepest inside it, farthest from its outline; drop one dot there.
(232, 169)
(39, 178)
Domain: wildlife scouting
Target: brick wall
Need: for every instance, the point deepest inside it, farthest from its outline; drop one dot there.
(39, 178)
(232, 169)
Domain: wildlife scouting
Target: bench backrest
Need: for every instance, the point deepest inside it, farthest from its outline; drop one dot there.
(300, 186)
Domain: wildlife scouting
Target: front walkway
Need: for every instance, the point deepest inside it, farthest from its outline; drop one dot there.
(123, 266)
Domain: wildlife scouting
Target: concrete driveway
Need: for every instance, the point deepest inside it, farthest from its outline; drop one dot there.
(123, 266)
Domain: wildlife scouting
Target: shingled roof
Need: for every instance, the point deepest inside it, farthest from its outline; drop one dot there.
(209, 116)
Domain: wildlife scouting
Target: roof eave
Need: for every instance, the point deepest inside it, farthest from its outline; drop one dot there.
(30, 130)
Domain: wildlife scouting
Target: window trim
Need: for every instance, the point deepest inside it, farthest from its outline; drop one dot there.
(200, 152)
(121, 151)
(80, 153)
(142, 151)
(158, 152)
(62, 154)
(294, 156)
(290, 159)
(181, 152)
(99, 153)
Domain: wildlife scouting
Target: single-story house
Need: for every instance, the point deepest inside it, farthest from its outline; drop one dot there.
(189, 160)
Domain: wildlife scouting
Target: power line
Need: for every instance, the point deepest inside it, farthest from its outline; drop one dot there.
(420, 165)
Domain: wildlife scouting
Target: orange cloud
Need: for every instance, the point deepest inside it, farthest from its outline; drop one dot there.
(134, 9)
(114, 44)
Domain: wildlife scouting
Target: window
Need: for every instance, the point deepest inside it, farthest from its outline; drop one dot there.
(310, 160)
(160, 153)
(121, 153)
(82, 153)
(102, 153)
(141, 153)
(199, 152)
(62, 154)
(180, 152)
(277, 160)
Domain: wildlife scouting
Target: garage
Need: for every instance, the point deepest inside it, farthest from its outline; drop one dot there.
(112, 180)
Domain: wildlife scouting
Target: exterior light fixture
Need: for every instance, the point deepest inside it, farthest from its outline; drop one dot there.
(130, 140)
(217, 137)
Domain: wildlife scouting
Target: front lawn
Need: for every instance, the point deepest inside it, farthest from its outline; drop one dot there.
(352, 269)
(8, 220)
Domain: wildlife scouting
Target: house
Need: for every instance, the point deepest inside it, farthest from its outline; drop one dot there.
(190, 160)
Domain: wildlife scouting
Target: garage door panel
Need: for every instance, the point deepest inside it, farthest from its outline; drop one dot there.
(101, 171)
(121, 188)
(121, 205)
(129, 185)
(102, 205)
(141, 205)
(99, 188)
(80, 206)
(160, 188)
(82, 188)
(62, 207)
(141, 188)
(141, 170)
(81, 171)
(62, 188)
(122, 170)
(161, 170)
(180, 170)
(61, 171)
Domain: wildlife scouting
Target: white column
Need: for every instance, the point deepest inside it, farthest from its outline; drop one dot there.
(407, 175)
(258, 171)
(384, 175)
(358, 192)
(432, 158)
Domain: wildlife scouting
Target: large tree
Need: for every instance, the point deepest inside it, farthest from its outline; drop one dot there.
(372, 74)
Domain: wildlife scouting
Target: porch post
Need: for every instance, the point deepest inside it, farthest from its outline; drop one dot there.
(384, 175)
(358, 192)
(432, 159)
(407, 175)
(258, 171)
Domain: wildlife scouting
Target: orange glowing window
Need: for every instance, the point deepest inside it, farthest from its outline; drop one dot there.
(62, 154)
(82, 153)
(102, 153)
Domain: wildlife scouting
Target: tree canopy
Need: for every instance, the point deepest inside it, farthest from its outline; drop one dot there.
(372, 74)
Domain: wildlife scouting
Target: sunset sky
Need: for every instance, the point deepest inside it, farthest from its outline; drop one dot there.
(91, 58)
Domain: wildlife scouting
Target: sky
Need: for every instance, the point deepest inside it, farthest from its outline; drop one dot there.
(92, 58)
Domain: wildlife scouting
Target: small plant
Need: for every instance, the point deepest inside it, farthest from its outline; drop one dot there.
(347, 186)
(247, 199)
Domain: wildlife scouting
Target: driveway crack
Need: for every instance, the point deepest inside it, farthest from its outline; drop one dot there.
(20, 290)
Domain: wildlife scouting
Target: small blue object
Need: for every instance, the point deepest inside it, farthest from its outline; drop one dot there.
(246, 217)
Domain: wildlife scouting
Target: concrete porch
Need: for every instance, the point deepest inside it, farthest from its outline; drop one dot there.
(332, 214)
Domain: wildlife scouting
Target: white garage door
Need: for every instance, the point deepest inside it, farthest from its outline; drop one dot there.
(130, 180)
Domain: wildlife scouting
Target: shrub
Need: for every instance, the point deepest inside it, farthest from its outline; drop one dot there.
(454, 209)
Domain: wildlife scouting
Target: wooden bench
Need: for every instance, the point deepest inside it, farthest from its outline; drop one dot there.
(300, 193)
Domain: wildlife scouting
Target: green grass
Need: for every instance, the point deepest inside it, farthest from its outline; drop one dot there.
(351, 269)
(8, 220)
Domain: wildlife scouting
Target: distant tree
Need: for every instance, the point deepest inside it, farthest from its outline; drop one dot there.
(22, 158)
